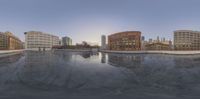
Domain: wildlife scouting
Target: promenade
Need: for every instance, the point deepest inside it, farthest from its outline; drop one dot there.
(154, 52)
(5, 53)
(78, 50)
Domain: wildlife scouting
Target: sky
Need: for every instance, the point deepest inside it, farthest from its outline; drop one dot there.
(87, 20)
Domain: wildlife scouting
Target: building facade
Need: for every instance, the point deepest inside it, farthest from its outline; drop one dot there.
(125, 41)
(143, 43)
(66, 41)
(103, 42)
(158, 46)
(35, 40)
(4, 44)
(9, 42)
(186, 40)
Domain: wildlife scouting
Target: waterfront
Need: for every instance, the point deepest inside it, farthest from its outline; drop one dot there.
(170, 52)
(61, 74)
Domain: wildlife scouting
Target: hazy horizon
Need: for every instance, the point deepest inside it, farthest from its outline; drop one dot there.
(87, 20)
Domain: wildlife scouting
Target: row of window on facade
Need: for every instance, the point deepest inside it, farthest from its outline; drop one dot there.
(180, 37)
(9, 42)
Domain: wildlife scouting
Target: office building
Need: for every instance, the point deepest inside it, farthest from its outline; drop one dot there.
(143, 43)
(35, 40)
(60, 42)
(125, 41)
(186, 40)
(143, 38)
(3, 41)
(8, 41)
(158, 39)
(103, 42)
(66, 41)
(150, 40)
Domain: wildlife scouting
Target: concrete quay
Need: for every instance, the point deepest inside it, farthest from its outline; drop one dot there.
(77, 50)
(155, 52)
(5, 53)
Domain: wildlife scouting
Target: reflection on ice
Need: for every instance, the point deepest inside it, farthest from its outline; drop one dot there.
(85, 73)
(130, 61)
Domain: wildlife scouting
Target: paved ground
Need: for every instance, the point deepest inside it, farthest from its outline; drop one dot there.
(5, 53)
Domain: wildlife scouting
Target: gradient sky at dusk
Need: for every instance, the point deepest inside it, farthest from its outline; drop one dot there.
(89, 19)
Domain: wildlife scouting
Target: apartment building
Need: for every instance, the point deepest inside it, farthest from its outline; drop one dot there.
(8, 41)
(186, 40)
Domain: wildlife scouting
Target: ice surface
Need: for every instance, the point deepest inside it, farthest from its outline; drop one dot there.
(59, 74)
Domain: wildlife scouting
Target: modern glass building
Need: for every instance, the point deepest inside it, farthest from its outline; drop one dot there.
(66, 41)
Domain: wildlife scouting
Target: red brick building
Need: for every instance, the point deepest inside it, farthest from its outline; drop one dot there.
(125, 41)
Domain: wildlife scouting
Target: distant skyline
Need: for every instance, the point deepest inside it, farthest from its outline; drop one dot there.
(87, 20)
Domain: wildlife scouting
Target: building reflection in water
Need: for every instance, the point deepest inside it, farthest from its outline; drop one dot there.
(88, 54)
(103, 57)
(45, 69)
(10, 59)
(189, 61)
(49, 70)
(122, 60)
(57, 72)
(66, 56)
(35, 58)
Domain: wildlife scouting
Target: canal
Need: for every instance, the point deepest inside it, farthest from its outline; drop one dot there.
(61, 74)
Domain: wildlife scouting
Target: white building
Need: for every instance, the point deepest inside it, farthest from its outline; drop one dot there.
(103, 42)
(35, 40)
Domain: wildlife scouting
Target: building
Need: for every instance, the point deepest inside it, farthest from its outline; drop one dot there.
(158, 39)
(60, 42)
(150, 40)
(127, 61)
(158, 46)
(8, 41)
(186, 40)
(171, 45)
(143, 43)
(66, 41)
(103, 42)
(23, 45)
(4, 45)
(143, 38)
(125, 41)
(35, 40)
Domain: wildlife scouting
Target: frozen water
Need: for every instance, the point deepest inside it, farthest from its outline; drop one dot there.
(60, 74)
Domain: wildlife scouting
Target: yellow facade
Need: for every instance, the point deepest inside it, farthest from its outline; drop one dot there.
(9, 42)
